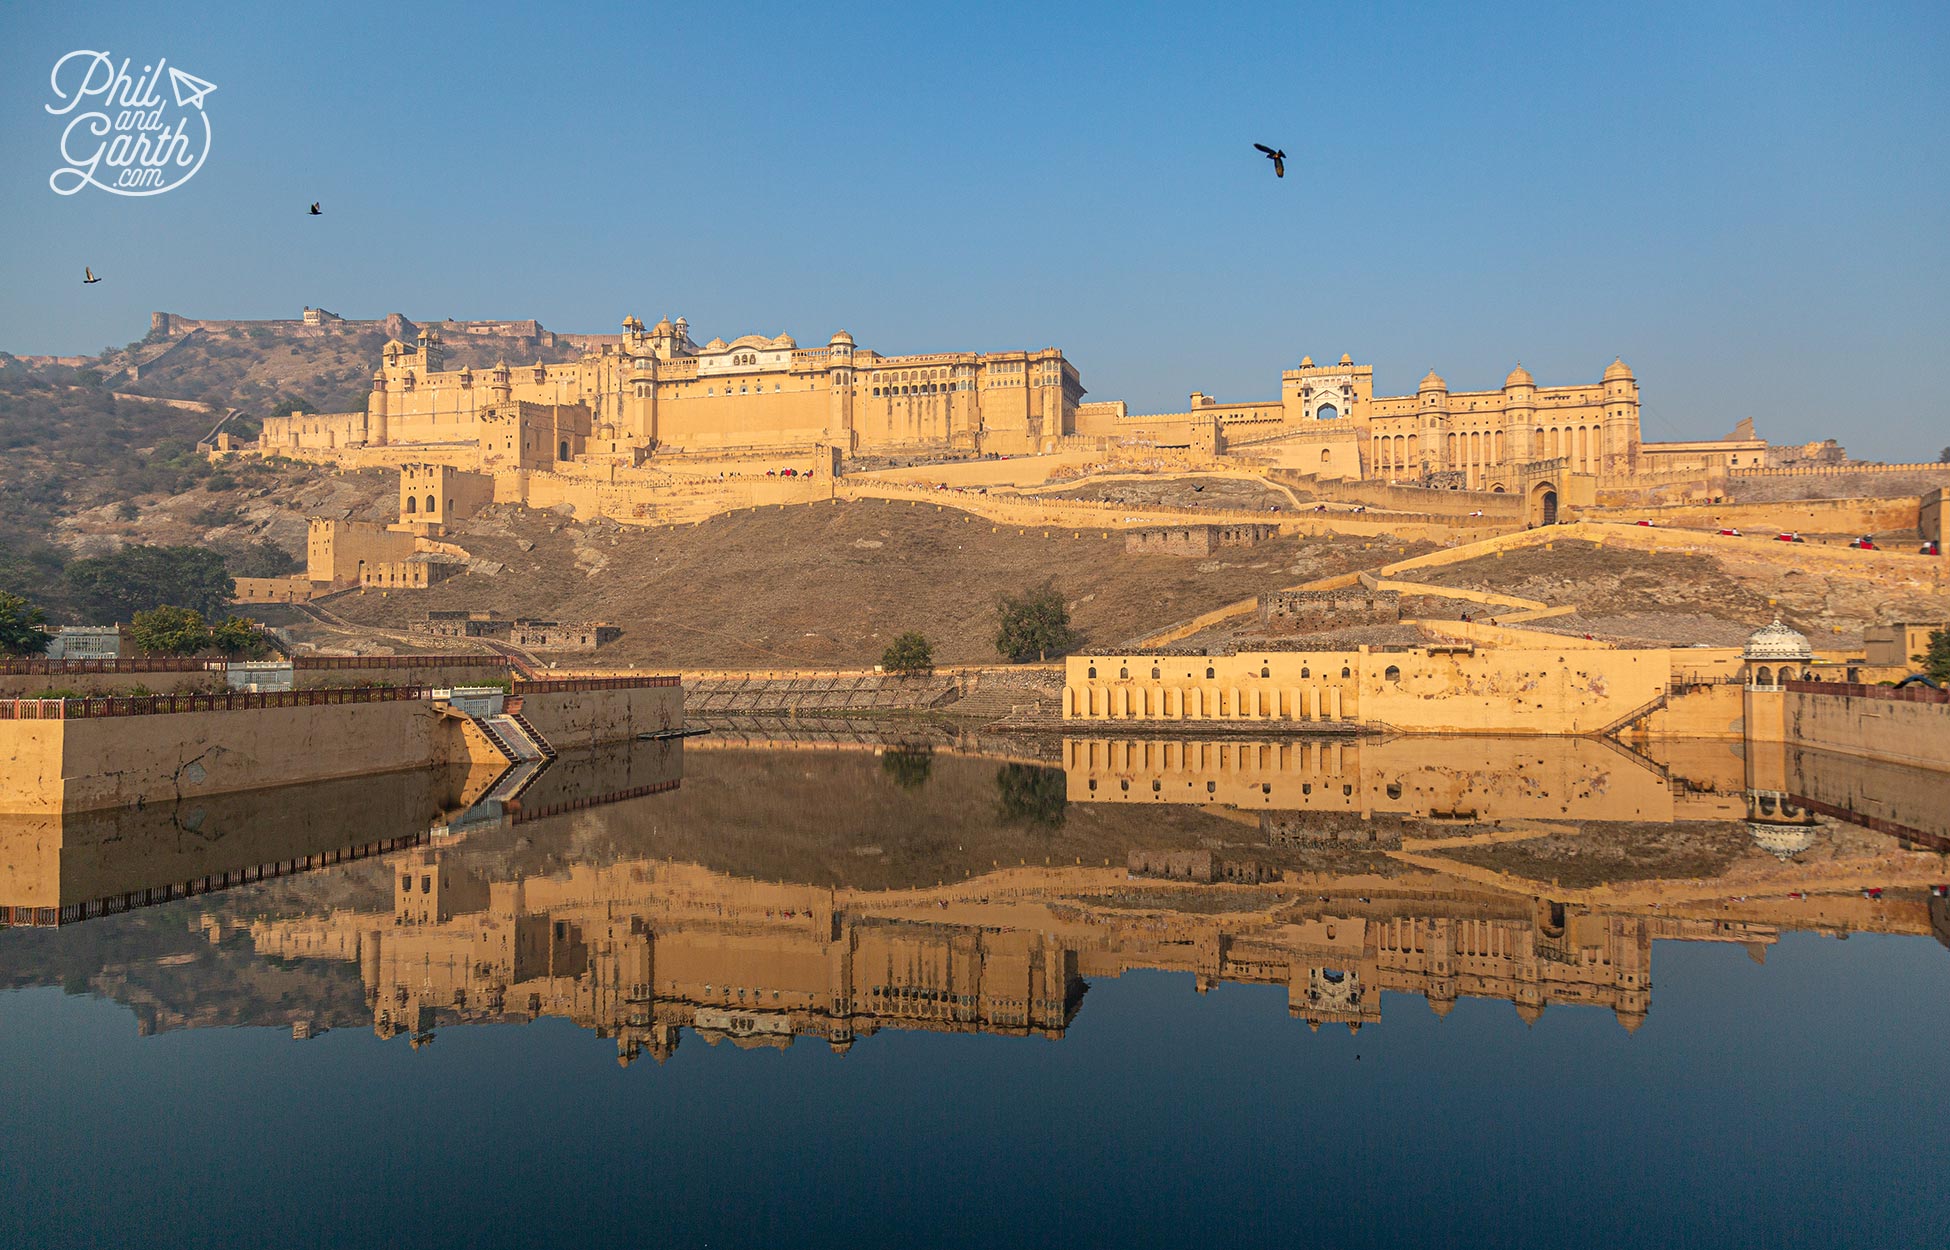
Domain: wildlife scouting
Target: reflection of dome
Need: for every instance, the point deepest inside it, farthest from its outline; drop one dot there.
(1530, 1013)
(1519, 376)
(1783, 842)
(1618, 371)
(1777, 642)
(1433, 382)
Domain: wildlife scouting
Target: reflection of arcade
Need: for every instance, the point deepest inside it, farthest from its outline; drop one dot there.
(1466, 780)
(639, 949)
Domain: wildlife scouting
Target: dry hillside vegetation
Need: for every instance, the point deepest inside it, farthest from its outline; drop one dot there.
(1680, 598)
(255, 368)
(833, 584)
(1181, 492)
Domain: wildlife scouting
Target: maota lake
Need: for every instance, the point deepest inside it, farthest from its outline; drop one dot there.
(818, 988)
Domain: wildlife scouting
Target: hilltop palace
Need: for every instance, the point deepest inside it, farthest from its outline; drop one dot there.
(656, 393)
(647, 427)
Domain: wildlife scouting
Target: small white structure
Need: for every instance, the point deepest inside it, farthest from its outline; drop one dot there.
(1773, 652)
(86, 642)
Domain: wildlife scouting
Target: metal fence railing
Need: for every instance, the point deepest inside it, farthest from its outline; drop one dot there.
(54, 668)
(177, 664)
(229, 701)
(399, 661)
(1909, 694)
(568, 684)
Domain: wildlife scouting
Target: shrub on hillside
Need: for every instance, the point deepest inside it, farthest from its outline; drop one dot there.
(909, 654)
(180, 631)
(136, 579)
(1034, 625)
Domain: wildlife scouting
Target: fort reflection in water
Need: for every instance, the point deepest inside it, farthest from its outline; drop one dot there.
(776, 893)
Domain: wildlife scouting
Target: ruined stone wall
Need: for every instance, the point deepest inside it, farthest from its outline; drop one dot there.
(1312, 611)
(1196, 540)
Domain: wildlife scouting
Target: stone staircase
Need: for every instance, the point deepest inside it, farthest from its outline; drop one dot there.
(529, 754)
(822, 695)
(1023, 696)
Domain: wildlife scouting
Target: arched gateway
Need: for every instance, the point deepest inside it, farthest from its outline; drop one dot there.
(1543, 505)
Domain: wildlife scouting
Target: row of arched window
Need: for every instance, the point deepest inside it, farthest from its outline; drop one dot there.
(1211, 674)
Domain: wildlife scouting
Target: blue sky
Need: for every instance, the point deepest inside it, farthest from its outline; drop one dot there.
(1747, 202)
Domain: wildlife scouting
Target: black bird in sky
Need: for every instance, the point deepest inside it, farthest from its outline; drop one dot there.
(1278, 157)
(314, 209)
(88, 276)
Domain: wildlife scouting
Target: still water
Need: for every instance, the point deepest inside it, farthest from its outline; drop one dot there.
(1087, 992)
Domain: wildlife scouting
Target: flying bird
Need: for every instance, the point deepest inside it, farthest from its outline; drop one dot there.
(314, 209)
(88, 276)
(1277, 157)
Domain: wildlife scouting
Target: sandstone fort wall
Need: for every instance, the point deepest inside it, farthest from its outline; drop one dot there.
(1869, 722)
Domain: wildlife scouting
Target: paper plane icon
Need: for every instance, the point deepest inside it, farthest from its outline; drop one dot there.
(189, 89)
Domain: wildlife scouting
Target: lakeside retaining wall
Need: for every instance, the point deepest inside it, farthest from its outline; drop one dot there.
(1909, 727)
(83, 755)
(590, 711)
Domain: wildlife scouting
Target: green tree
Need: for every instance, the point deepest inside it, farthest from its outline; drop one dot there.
(1936, 660)
(259, 558)
(1034, 624)
(1027, 794)
(136, 579)
(169, 631)
(909, 653)
(237, 636)
(909, 767)
(20, 627)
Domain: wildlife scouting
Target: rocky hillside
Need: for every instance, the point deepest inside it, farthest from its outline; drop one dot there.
(85, 471)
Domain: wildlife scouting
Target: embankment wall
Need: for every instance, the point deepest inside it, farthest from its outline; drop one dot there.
(1763, 520)
(585, 713)
(1868, 722)
(126, 761)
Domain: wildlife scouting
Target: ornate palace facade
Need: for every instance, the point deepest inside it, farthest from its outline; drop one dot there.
(655, 391)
